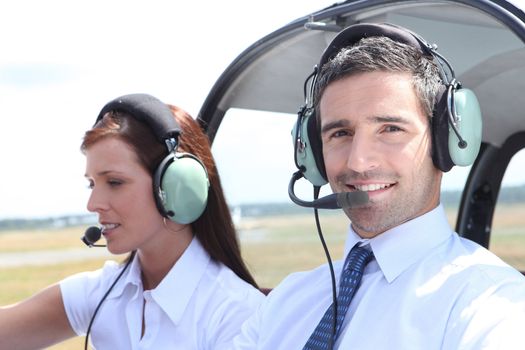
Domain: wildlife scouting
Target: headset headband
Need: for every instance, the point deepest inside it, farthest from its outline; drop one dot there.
(352, 34)
(143, 107)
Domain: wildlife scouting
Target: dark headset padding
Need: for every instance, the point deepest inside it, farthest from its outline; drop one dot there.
(440, 133)
(148, 109)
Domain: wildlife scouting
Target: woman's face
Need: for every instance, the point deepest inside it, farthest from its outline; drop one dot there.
(121, 195)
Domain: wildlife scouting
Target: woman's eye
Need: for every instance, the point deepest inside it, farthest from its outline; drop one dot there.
(114, 183)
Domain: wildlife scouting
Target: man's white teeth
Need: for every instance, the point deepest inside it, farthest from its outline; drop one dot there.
(371, 187)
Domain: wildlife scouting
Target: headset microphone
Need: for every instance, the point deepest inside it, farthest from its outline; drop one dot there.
(91, 236)
(333, 201)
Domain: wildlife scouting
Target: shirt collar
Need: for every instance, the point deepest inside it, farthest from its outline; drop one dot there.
(400, 247)
(176, 289)
(130, 278)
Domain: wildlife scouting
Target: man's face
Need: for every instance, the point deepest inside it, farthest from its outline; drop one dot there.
(376, 138)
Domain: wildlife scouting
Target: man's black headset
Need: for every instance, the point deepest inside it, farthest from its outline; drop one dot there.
(456, 120)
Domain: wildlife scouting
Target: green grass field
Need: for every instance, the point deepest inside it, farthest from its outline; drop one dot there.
(273, 247)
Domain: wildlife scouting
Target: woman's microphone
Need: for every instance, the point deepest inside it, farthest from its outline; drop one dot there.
(91, 236)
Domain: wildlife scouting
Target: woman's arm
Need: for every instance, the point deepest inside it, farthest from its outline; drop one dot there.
(36, 322)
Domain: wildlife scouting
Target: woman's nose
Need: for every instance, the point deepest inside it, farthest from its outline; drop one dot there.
(97, 201)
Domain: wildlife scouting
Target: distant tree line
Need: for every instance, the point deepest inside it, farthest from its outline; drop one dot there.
(510, 195)
(46, 223)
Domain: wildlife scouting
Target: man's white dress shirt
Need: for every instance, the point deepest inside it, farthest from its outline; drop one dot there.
(426, 289)
(200, 304)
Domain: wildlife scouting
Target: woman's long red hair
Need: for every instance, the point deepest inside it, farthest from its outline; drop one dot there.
(214, 228)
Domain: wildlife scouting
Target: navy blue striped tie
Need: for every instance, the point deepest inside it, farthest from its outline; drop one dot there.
(351, 277)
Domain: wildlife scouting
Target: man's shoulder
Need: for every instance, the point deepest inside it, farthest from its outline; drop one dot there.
(484, 267)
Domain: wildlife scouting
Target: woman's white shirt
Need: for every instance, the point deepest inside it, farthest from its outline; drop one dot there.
(200, 304)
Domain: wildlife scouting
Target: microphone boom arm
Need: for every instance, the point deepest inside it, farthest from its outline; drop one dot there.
(332, 201)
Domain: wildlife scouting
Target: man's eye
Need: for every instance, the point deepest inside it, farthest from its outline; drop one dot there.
(339, 133)
(392, 128)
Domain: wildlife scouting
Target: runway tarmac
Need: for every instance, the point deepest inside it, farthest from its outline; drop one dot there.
(51, 256)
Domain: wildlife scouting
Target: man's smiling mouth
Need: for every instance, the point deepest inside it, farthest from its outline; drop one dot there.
(371, 187)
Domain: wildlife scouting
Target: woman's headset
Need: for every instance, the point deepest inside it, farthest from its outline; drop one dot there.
(456, 120)
(180, 182)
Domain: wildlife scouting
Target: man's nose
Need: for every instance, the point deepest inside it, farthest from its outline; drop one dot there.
(363, 155)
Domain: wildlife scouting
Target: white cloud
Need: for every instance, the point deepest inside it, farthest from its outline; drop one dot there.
(62, 60)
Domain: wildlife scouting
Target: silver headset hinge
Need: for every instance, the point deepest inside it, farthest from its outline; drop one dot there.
(171, 143)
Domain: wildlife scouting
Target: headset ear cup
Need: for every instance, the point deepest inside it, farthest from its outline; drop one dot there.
(181, 187)
(440, 133)
(469, 124)
(310, 156)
